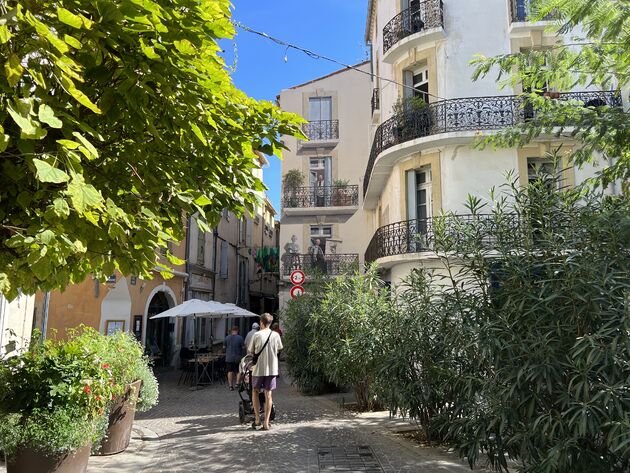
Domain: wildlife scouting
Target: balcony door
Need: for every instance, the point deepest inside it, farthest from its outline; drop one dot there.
(523, 9)
(319, 108)
(321, 180)
(411, 15)
(418, 207)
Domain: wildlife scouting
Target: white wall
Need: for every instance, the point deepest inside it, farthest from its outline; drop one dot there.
(16, 322)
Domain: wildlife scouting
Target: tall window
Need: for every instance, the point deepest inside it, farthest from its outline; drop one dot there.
(542, 168)
(417, 83)
(319, 108)
(320, 179)
(419, 197)
(201, 247)
(224, 260)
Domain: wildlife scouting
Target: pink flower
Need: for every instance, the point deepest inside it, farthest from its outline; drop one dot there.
(105, 366)
(87, 389)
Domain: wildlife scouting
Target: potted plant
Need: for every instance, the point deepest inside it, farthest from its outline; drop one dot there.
(53, 403)
(413, 118)
(340, 196)
(292, 181)
(130, 369)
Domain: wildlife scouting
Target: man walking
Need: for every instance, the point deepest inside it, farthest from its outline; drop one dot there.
(265, 344)
(250, 334)
(233, 354)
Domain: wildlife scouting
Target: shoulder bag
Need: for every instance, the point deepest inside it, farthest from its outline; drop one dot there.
(256, 355)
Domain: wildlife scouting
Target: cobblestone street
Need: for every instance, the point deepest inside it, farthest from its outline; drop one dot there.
(198, 431)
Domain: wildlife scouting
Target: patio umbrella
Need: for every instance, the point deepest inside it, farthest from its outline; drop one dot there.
(197, 307)
(239, 311)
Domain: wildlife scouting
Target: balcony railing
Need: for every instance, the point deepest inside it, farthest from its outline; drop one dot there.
(376, 105)
(321, 130)
(321, 196)
(330, 265)
(521, 11)
(466, 114)
(427, 14)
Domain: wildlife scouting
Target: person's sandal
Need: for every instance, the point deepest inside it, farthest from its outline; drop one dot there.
(256, 426)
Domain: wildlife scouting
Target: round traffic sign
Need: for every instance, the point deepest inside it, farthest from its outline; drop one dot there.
(297, 277)
(296, 291)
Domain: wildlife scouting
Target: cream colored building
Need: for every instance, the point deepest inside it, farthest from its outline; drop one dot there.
(16, 322)
(421, 162)
(327, 205)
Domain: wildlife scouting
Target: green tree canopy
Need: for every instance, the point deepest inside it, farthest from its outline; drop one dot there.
(594, 54)
(117, 119)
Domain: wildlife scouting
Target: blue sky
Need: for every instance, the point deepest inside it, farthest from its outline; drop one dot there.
(334, 28)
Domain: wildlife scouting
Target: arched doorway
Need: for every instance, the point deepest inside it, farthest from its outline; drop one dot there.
(160, 332)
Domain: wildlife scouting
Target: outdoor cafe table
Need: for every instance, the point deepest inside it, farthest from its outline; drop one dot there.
(204, 367)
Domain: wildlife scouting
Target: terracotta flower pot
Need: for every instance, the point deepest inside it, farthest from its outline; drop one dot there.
(121, 419)
(28, 460)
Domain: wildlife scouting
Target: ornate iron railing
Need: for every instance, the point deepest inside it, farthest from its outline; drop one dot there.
(376, 102)
(427, 14)
(521, 11)
(329, 265)
(466, 114)
(320, 130)
(321, 196)
(469, 233)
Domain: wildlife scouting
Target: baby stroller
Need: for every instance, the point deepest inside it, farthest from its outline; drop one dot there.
(245, 392)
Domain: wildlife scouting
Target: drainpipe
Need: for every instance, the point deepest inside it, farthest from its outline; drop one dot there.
(45, 314)
(187, 258)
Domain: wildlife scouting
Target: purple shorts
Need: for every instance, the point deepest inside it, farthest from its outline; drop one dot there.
(267, 383)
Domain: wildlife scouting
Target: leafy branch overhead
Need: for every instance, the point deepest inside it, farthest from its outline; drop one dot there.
(116, 120)
(593, 53)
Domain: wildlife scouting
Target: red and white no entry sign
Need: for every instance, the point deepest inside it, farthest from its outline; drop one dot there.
(297, 277)
(296, 291)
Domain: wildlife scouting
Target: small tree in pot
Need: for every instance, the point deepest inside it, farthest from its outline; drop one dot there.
(292, 181)
(130, 369)
(53, 403)
(413, 118)
(340, 196)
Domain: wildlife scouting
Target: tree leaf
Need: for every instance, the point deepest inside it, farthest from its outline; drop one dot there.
(48, 173)
(72, 41)
(13, 70)
(5, 34)
(69, 18)
(47, 115)
(4, 139)
(68, 144)
(61, 207)
(82, 195)
(90, 150)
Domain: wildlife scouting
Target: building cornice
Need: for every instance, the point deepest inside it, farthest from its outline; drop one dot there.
(369, 19)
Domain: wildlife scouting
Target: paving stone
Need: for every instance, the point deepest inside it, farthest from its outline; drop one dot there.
(194, 431)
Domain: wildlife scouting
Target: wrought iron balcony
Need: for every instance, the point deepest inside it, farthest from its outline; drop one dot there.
(321, 130)
(521, 11)
(462, 232)
(425, 15)
(466, 114)
(321, 196)
(376, 105)
(418, 236)
(330, 265)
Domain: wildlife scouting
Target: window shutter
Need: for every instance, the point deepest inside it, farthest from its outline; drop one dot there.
(224, 259)
(408, 81)
(411, 195)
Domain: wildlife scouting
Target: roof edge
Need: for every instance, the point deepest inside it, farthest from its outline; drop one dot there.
(339, 71)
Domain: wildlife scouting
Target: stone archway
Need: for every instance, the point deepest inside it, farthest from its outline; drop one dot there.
(159, 335)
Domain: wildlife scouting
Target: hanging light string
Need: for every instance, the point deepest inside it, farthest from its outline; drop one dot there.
(314, 55)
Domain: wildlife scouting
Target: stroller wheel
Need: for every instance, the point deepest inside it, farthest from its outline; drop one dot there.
(241, 413)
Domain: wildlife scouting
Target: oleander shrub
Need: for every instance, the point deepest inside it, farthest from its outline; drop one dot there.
(347, 337)
(519, 348)
(298, 336)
